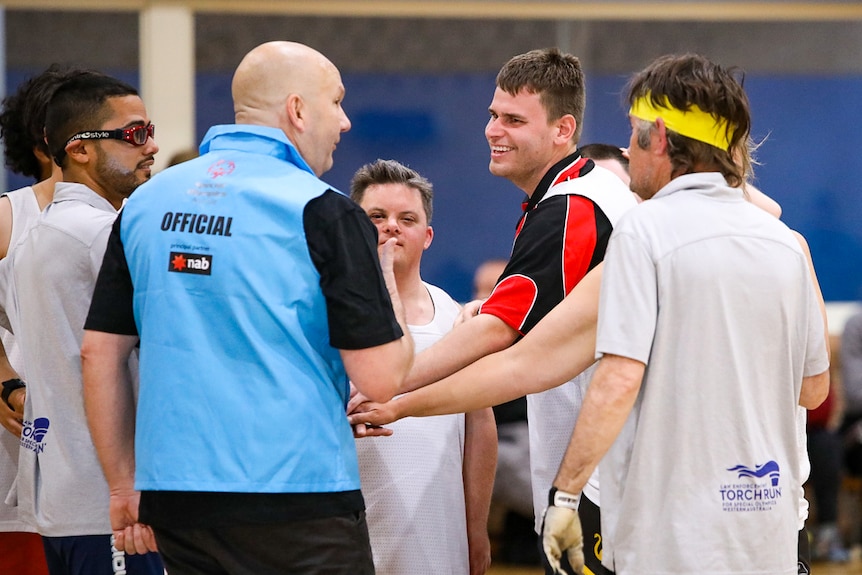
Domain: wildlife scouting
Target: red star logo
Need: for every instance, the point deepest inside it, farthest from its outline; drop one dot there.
(179, 262)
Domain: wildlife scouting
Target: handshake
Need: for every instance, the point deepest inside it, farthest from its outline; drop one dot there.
(561, 532)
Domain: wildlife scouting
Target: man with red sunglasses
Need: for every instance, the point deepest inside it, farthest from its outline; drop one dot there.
(99, 134)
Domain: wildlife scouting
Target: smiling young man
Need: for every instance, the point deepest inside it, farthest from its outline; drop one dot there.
(535, 123)
(99, 133)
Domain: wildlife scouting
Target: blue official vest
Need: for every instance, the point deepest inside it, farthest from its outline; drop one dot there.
(240, 390)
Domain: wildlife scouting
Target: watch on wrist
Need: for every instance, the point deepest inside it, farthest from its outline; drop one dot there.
(9, 386)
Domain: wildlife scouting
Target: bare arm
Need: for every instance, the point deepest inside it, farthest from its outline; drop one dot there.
(378, 371)
(607, 404)
(480, 463)
(561, 346)
(5, 226)
(469, 341)
(815, 388)
(473, 339)
(109, 403)
(110, 406)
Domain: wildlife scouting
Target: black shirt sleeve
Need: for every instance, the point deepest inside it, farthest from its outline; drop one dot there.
(112, 308)
(342, 242)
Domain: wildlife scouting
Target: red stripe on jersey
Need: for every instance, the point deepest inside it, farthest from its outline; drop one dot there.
(512, 300)
(520, 225)
(579, 241)
(571, 172)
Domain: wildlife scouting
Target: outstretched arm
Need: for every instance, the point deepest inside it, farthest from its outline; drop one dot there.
(561, 346)
(469, 341)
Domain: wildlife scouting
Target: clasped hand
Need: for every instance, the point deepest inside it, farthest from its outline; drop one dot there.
(366, 417)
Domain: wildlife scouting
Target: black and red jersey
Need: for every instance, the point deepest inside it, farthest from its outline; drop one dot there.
(562, 235)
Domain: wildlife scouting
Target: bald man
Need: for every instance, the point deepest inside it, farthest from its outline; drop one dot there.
(255, 291)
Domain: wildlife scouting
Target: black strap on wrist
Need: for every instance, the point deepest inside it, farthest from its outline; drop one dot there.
(551, 493)
(9, 386)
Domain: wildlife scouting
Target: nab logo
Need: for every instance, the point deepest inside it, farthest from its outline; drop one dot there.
(185, 263)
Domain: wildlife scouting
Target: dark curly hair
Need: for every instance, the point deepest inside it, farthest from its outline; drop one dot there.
(22, 120)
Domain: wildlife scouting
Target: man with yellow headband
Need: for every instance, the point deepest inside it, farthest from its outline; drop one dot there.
(699, 460)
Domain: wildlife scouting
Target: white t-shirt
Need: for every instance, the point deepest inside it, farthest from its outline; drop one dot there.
(715, 297)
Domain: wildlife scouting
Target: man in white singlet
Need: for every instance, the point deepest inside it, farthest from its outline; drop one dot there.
(427, 488)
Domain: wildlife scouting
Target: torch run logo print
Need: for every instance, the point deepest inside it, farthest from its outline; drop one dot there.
(33, 434)
(755, 489)
(769, 468)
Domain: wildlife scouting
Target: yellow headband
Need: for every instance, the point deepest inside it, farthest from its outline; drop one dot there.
(695, 123)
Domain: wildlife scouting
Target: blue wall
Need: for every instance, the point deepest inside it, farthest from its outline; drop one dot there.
(435, 124)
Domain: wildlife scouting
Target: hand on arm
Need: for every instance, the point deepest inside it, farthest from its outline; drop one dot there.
(371, 415)
(480, 463)
(361, 430)
(467, 342)
(468, 310)
(561, 346)
(463, 345)
(110, 407)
